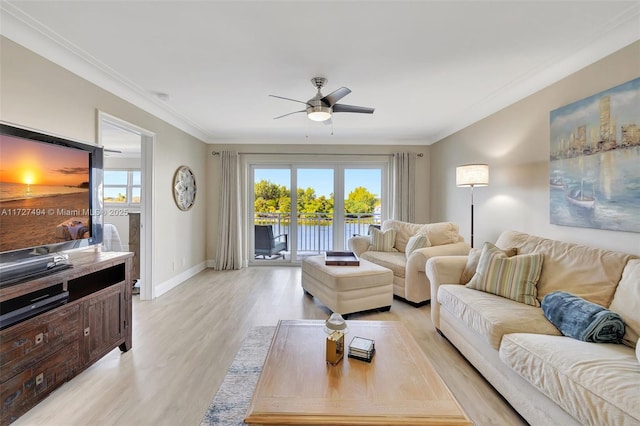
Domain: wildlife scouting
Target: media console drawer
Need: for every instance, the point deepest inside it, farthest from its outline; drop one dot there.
(22, 391)
(27, 343)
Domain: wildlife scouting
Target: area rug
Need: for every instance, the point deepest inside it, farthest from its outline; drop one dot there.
(230, 404)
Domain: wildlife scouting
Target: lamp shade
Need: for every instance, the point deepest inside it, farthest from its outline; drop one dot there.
(319, 113)
(472, 175)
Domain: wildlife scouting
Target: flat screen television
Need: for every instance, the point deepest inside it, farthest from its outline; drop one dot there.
(50, 197)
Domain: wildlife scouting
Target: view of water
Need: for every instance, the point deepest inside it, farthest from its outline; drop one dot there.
(19, 191)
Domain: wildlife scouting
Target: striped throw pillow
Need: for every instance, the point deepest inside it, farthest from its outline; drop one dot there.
(513, 277)
(416, 242)
(474, 258)
(382, 240)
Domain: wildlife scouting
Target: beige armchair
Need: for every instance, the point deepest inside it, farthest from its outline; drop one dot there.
(410, 281)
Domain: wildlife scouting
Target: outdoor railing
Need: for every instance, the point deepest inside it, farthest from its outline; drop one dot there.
(315, 230)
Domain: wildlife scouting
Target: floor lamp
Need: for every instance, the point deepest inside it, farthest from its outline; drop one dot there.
(472, 175)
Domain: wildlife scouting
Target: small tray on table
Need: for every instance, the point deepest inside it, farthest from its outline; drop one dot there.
(341, 258)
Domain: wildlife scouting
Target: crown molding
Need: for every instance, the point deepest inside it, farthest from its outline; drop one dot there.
(33, 35)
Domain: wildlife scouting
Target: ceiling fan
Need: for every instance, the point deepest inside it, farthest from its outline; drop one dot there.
(320, 107)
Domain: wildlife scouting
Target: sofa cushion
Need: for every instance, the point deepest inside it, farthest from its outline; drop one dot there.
(443, 233)
(597, 384)
(472, 263)
(626, 302)
(438, 233)
(382, 240)
(492, 316)
(416, 242)
(590, 273)
(512, 277)
(395, 260)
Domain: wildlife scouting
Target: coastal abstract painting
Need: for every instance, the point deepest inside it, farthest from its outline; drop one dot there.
(594, 168)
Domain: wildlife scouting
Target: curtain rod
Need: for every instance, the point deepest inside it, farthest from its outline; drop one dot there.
(309, 153)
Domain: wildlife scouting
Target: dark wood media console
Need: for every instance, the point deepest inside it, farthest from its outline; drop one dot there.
(39, 354)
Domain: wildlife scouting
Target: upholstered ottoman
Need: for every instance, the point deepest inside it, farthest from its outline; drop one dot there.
(348, 289)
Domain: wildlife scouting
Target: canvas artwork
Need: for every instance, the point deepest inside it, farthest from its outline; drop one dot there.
(595, 161)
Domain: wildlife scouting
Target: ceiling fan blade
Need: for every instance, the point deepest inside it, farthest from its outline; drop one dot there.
(352, 108)
(294, 112)
(335, 96)
(289, 99)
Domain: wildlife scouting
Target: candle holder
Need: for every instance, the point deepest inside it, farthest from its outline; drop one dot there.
(335, 328)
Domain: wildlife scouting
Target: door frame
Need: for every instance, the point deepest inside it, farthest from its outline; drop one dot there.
(147, 204)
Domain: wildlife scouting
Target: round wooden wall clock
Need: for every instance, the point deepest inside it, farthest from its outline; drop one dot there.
(184, 188)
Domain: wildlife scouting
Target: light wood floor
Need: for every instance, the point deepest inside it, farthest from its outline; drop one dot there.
(184, 341)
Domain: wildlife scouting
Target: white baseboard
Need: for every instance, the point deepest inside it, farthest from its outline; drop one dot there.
(175, 281)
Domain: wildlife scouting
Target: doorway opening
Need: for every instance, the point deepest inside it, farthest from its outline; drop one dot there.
(128, 200)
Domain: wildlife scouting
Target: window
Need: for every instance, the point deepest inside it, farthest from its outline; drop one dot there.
(122, 187)
(329, 203)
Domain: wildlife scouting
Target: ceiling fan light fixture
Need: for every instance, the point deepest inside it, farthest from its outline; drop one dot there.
(319, 113)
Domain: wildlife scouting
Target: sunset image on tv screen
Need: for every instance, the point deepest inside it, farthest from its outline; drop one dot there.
(44, 193)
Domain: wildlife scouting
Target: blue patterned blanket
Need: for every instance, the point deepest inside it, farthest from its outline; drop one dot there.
(578, 318)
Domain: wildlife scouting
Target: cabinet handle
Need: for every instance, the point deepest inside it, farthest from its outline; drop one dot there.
(87, 331)
(39, 379)
(39, 338)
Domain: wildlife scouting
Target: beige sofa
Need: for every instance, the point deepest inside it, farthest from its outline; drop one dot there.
(548, 378)
(409, 279)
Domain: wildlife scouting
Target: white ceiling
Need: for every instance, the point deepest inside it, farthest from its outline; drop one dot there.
(429, 68)
(119, 142)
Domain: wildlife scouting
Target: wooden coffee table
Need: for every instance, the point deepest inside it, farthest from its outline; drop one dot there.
(398, 387)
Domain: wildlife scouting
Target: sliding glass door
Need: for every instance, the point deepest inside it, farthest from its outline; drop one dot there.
(330, 203)
(314, 201)
(272, 219)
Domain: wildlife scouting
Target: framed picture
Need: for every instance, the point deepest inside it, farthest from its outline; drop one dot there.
(594, 168)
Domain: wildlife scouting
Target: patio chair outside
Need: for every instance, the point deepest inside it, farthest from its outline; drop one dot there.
(266, 244)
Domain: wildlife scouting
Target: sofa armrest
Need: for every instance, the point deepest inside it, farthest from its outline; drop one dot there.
(418, 259)
(443, 270)
(359, 244)
(455, 249)
(416, 283)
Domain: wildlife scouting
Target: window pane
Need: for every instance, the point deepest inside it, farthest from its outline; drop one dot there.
(135, 195)
(115, 177)
(136, 177)
(315, 211)
(272, 213)
(115, 194)
(362, 204)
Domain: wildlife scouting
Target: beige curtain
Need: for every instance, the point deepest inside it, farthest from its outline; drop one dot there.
(404, 186)
(229, 252)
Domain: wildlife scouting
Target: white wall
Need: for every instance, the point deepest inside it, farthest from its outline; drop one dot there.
(323, 154)
(515, 144)
(36, 93)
